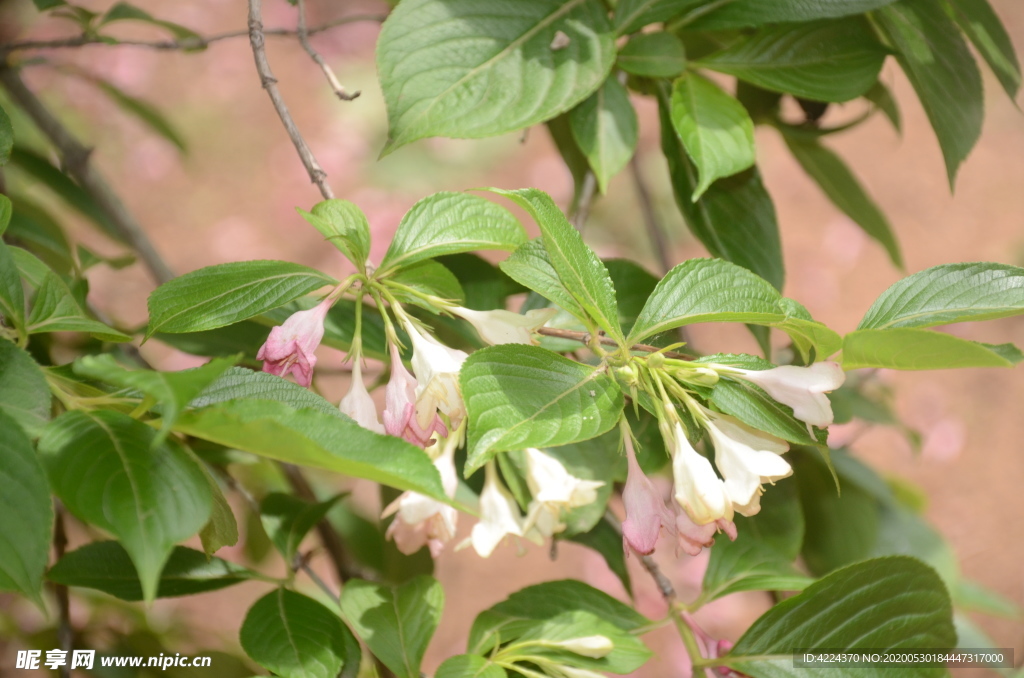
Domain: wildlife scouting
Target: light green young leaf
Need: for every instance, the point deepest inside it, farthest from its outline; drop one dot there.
(345, 226)
(396, 623)
(606, 129)
(949, 293)
(531, 267)
(447, 223)
(884, 604)
(749, 13)
(843, 189)
(988, 34)
(24, 393)
(653, 55)
(469, 666)
(632, 15)
(172, 390)
(105, 469)
(295, 636)
(917, 349)
(288, 519)
(715, 129)
(526, 396)
(216, 296)
(6, 139)
(55, 310)
(938, 63)
(825, 61)
(579, 269)
(539, 635)
(106, 566)
(27, 528)
(222, 528)
(433, 89)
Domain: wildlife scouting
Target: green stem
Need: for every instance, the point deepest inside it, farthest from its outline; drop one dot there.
(689, 640)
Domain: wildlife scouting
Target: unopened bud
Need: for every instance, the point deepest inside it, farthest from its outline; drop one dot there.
(594, 647)
(701, 376)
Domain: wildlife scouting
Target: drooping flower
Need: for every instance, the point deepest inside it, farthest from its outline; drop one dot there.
(400, 406)
(420, 520)
(802, 388)
(505, 327)
(747, 458)
(698, 489)
(358, 404)
(290, 346)
(554, 491)
(437, 373)
(646, 511)
(691, 538)
(499, 515)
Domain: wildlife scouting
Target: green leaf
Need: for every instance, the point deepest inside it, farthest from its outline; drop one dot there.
(27, 528)
(633, 285)
(824, 61)
(653, 55)
(288, 519)
(427, 277)
(938, 63)
(632, 15)
(12, 294)
(981, 24)
(295, 637)
(106, 566)
(746, 13)
(949, 293)
(885, 604)
(469, 666)
(734, 219)
(972, 596)
(36, 230)
(172, 390)
(222, 529)
(884, 101)
(526, 396)
(486, 288)
(806, 332)
(577, 164)
(313, 438)
(443, 64)
(345, 226)
(142, 110)
(6, 139)
(747, 564)
(396, 623)
(579, 269)
(43, 5)
(531, 267)
(916, 349)
(55, 310)
(606, 129)
(105, 469)
(239, 382)
(755, 408)
(5, 213)
(715, 129)
(840, 185)
(122, 11)
(244, 337)
(447, 223)
(216, 296)
(24, 393)
(607, 541)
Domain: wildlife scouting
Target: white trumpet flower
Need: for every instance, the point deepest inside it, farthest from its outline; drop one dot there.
(437, 375)
(747, 458)
(499, 515)
(421, 520)
(505, 327)
(358, 404)
(802, 388)
(554, 491)
(698, 489)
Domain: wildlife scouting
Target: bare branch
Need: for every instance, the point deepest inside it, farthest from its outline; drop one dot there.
(75, 158)
(65, 633)
(336, 86)
(316, 173)
(586, 337)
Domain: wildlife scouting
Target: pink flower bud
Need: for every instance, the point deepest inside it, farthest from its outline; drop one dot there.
(400, 406)
(646, 512)
(290, 346)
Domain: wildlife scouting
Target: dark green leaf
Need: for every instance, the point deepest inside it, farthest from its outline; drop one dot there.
(607, 541)
(396, 623)
(106, 566)
(575, 161)
(43, 5)
(745, 13)
(917, 349)
(6, 139)
(222, 529)
(12, 294)
(244, 337)
(345, 226)
(427, 277)
(653, 55)
(36, 230)
(755, 408)
(55, 310)
(748, 565)
(531, 266)
(981, 24)
(485, 287)
(238, 383)
(883, 99)
(606, 130)
(632, 15)
(288, 519)
(24, 393)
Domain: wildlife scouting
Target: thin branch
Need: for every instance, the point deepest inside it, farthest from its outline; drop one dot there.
(654, 232)
(185, 44)
(65, 634)
(75, 159)
(332, 80)
(269, 82)
(586, 337)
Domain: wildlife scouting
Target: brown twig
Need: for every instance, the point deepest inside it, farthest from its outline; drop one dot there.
(654, 232)
(75, 159)
(586, 338)
(332, 80)
(259, 51)
(185, 44)
(65, 634)
(665, 587)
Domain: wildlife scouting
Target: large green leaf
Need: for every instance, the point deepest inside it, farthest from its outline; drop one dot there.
(531, 267)
(55, 310)
(715, 129)
(313, 438)
(632, 15)
(745, 13)
(987, 33)
(216, 296)
(105, 469)
(885, 604)
(106, 566)
(12, 294)
(24, 393)
(824, 61)
(840, 185)
(35, 229)
(172, 390)
(606, 130)
(917, 349)
(458, 68)
(939, 65)
(296, 637)
(485, 287)
(343, 225)
(239, 382)
(26, 529)
(288, 519)
(447, 223)
(949, 293)
(748, 565)
(525, 396)
(653, 55)
(579, 269)
(734, 219)
(754, 407)
(396, 623)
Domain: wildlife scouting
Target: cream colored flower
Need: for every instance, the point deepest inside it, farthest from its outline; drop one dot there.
(802, 388)
(505, 327)
(698, 489)
(421, 520)
(747, 458)
(499, 515)
(358, 404)
(437, 374)
(555, 491)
